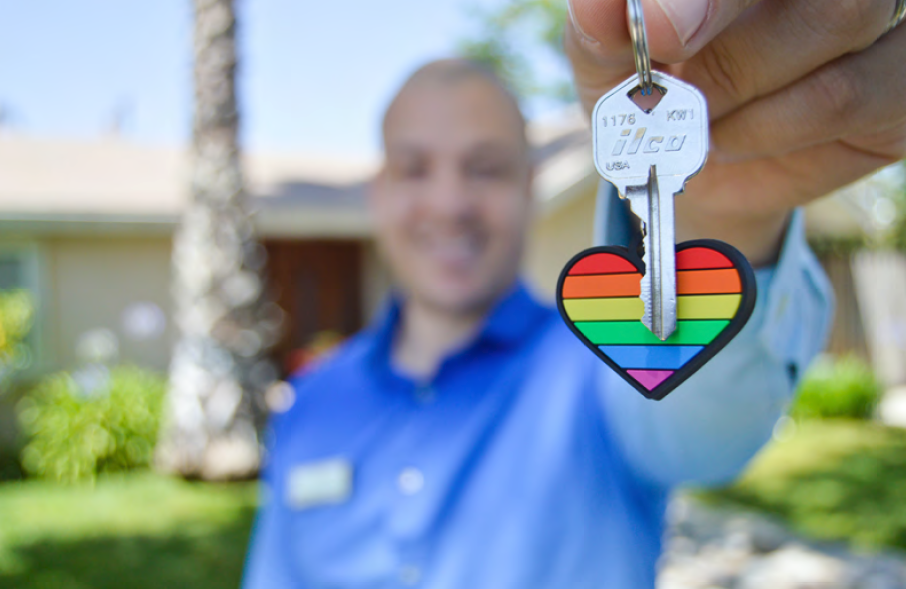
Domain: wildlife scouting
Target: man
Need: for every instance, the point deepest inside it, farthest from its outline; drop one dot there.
(466, 439)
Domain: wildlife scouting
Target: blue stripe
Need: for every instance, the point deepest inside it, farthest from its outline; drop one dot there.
(651, 357)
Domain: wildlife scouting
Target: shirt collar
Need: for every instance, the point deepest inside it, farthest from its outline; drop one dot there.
(515, 314)
(513, 317)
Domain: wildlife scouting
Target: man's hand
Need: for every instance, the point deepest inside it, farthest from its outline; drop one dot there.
(805, 96)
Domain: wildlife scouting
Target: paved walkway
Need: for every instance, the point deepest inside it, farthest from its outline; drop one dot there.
(709, 548)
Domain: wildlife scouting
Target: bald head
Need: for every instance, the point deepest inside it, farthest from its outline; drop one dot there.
(450, 74)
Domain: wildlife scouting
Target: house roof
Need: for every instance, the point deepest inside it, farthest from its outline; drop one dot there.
(111, 184)
(70, 184)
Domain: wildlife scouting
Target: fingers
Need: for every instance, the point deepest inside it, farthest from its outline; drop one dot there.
(739, 189)
(742, 50)
(747, 203)
(778, 42)
(858, 95)
(597, 37)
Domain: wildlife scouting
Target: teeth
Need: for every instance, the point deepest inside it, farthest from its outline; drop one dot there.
(458, 248)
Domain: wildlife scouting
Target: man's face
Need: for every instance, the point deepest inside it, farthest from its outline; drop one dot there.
(452, 203)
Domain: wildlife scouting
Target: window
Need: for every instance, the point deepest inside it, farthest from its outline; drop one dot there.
(19, 269)
(11, 272)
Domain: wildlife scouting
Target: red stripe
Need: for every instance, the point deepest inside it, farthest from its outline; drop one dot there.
(701, 258)
(602, 264)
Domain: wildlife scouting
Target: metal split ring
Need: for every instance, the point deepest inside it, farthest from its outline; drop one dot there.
(899, 15)
(640, 45)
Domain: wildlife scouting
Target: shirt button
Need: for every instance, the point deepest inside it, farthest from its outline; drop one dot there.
(411, 481)
(410, 575)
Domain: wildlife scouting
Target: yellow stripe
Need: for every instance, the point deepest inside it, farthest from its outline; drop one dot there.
(707, 306)
(613, 309)
(631, 308)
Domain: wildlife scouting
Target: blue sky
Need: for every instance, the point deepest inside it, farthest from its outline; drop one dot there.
(314, 75)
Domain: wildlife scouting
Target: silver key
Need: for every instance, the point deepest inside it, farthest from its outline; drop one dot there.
(649, 155)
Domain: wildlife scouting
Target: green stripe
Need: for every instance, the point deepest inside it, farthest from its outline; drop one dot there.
(688, 333)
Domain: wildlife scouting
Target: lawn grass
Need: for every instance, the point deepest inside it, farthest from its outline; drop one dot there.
(138, 531)
(831, 480)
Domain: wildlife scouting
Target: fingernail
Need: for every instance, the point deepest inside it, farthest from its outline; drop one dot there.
(572, 19)
(686, 16)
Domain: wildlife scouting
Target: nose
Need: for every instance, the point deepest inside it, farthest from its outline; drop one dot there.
(448, 196)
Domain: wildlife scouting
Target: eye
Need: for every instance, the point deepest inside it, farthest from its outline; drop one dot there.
(410, 169)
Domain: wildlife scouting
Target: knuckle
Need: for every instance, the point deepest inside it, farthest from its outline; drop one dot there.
(724, 69)
(837, 93)
(889, 145)
(846, 17)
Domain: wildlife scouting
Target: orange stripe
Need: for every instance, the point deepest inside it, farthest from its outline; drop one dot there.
(602, 285)
(707, 282)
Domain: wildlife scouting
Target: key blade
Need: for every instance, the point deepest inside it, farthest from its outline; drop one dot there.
(658, 284)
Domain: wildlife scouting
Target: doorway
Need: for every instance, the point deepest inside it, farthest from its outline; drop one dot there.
(319, 286)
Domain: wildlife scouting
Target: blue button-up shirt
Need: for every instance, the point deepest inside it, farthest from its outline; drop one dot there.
(525, 462)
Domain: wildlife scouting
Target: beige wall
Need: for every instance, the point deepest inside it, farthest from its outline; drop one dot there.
(555, 238)
(88, 282)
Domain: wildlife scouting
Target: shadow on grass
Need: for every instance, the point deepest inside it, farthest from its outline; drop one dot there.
(198, 557)
(857, 495)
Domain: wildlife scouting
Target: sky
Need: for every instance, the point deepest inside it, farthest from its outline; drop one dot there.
(314, 76)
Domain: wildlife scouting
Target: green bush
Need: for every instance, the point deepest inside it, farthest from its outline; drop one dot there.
(16, 311)
(89, 422)
(833, 388)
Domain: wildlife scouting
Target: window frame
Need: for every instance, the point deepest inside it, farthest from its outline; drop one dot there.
(34, 280)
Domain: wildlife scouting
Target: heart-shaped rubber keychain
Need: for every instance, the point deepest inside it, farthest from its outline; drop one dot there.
(658, 319)
(598, 297)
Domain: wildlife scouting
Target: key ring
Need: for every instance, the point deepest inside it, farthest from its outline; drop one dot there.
(899, 14)
(640, 46)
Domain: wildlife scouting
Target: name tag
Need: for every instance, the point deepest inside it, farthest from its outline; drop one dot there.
(326, 482)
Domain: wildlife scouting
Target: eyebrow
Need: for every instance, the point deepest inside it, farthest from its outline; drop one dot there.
(482, 147)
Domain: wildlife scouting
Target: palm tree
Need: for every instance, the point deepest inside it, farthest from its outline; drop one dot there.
(219, 368)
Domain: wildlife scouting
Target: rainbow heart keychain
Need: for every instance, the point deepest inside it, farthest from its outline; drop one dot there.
(656, 319)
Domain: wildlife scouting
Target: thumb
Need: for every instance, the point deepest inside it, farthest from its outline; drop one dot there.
(599, 48)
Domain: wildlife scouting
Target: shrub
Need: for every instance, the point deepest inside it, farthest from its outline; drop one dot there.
(843, 387)
(89, 422)
(16, 311)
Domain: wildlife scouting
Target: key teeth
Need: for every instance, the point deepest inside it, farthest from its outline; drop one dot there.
(668, 325)
(662, 332)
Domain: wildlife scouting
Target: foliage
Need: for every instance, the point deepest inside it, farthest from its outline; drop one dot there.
(16, 312)
(515, 37)
(93, 421)
(843, 387)
(838, 246)
(831, 480)
(899, 229)
(136, 530)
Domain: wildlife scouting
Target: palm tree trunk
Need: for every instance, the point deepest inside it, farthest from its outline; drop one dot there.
(219, 367)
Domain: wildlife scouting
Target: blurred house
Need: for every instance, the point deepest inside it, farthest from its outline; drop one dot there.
(87, 226)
